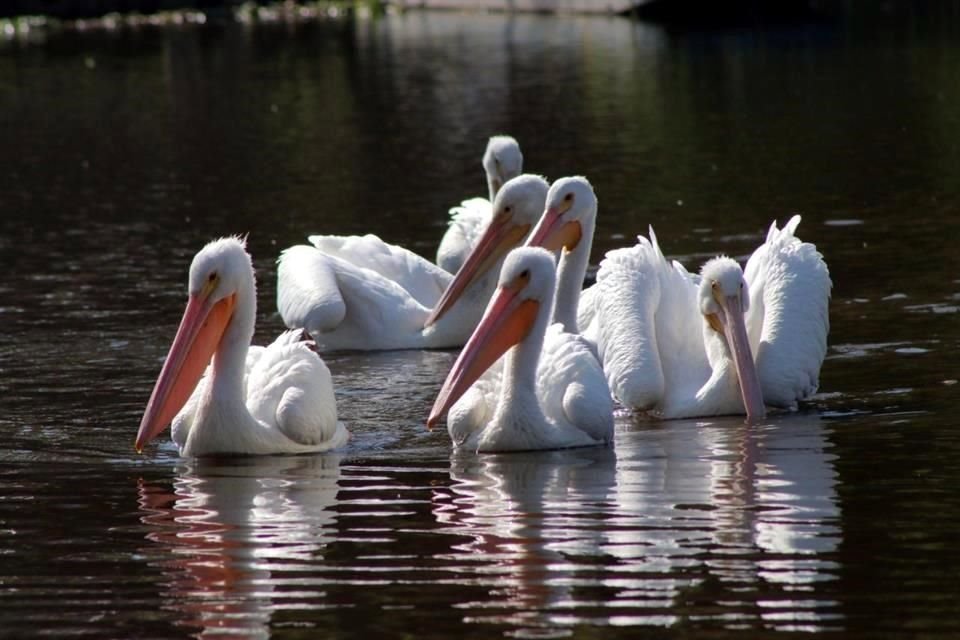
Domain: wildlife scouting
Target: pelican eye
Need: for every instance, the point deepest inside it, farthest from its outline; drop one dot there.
(525, 274)
(714, 285)
(212, 277)
(568, 197)
(507, 209)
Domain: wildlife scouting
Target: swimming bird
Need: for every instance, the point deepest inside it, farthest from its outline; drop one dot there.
(570, 380)
(502, 161)
(516, 323)
(362, 293)
(728, 341)
(250, 400)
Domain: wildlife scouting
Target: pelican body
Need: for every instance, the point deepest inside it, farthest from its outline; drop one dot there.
(729, 341)
(516, 324)
(249, 400)
(502, 161)
(362, 293)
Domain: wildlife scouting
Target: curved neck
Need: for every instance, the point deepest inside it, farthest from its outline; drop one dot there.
(519, 386)
(570, 273)
(492, 186)
(230, 359)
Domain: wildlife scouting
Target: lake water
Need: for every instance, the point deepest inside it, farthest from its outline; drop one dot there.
(124, 151)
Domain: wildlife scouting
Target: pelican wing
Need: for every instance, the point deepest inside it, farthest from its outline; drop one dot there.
(467, 223)
(647, 327)
(346, 306)
(627, 295)
(289, 388)
(308, 294)
(571, 385)
(788, 319)
(422, 279)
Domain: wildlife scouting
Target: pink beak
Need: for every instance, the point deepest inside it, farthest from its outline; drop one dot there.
(507, 322)
(196, 341)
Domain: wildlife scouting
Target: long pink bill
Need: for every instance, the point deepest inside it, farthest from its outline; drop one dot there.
(735, 330)
(507, 322)
(500, 237)
(553, 234)
(196, 341)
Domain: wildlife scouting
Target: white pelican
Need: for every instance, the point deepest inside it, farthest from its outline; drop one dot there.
(253, 400)
(361, 293)
(681, 345)
(502, 161)
(515, 323)
(568, 368)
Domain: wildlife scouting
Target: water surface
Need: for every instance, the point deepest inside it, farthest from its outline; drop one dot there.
(127, 150)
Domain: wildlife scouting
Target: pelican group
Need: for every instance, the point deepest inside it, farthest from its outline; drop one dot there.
(515, 323)
(362, 293)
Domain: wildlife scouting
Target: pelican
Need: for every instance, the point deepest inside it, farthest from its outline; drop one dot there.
(570, 380)
(728, 341)
(361, 293)
(252, 400)
(502, 161)
(516, 323)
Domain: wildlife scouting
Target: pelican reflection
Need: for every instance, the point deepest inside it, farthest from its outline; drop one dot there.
(632, 533)
(232, 528)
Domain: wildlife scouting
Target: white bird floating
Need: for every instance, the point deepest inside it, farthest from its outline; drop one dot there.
(502, 161)
(570, 382)
(516, 323)
(362, 293)
(728, 341)
(251, 400)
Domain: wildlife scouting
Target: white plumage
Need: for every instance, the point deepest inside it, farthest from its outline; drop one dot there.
(656, 326)
(249, 400)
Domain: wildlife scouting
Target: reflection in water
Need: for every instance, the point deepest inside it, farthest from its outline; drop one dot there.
(748, 515)
(230, 526)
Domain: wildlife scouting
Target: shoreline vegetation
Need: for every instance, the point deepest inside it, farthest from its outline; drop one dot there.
(82, 16)
(32, 20)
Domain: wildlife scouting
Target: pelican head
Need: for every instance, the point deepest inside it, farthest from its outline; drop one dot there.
(502, 161)
(220, 272)
(724, 298)
(526, 284)
(516, 209)
(571, 205)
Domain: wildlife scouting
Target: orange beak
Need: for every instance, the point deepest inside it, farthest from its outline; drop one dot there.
(500, 237)
(735, 331)
(552, 234)
(507, 322)
(198, 337)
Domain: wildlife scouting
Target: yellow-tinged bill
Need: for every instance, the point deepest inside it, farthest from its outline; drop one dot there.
(197, 339)
(553, 234)
(507, 322)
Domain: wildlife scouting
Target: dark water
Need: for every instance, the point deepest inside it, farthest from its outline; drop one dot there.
(125, 151)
